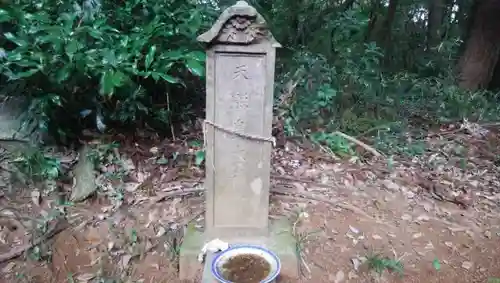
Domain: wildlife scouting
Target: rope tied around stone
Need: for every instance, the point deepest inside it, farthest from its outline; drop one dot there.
(271, 139)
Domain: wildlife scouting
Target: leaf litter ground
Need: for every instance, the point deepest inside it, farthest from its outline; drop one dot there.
(432, 218)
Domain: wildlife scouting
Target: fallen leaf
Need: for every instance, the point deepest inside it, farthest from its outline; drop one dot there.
(487, 234)
(428, 206)
(436, 264)
(467, 265)
(352, 275)
(304, 215)
(170, 175)
(390, 185)
(36, 197)
(429, 246)
(423, 217)
(406, 217)
(353, 229)
(44, 213)
(149, 246)
(298, 187)
(469, 233)
(152, 217)
(131, 186)
(85, 277)
(356, 263)
(3, 237)
(475, 184)
(8, 268)
(161, 231)
(339, 277)
(417, 235)
(125, 261)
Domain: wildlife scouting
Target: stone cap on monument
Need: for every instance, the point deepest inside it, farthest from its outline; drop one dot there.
(239, 24)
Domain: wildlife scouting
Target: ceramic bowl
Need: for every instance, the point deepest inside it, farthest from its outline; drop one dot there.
(221, 258)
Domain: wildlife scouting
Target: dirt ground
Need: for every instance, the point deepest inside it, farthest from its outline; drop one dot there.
(436, 214)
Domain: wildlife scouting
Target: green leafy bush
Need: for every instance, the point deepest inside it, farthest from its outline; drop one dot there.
(351, 92)
(119, 63)
(335, 93)
(36, 166)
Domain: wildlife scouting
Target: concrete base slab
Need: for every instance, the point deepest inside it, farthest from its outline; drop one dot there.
(189, 266)
(207, 270)
(279, 240)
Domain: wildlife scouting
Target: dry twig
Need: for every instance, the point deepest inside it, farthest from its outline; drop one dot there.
(282, 191)
(360, 143)
(54, 229)
(301, 180)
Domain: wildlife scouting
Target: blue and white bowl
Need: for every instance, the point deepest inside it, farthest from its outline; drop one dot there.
(221, 258)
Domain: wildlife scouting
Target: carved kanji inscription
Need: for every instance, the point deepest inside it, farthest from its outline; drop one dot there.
(240, 72)
(240, 107)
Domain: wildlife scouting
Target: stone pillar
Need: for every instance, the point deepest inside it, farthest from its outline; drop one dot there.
(240, 67)
(239, 84)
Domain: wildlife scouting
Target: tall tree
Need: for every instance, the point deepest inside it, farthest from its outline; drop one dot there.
(375, 8)
(482, 46)
(387, 28)
(437, 9)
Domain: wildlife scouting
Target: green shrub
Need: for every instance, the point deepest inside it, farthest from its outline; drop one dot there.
(119, 63)
(351, 92)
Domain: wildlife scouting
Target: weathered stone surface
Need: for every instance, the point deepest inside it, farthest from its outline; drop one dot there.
(85, 184)
(11, 121)
(240, 82)
(240, 24)
(280, 240)
(192, 243)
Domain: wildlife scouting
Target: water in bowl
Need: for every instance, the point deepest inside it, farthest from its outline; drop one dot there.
(246, 268)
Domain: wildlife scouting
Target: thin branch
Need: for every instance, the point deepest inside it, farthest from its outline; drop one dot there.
(55, 229)
(280, 191)
(360, 143)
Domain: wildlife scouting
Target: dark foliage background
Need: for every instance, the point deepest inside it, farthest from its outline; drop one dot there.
(366, 68)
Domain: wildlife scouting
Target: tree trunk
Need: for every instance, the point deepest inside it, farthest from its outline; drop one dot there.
(389, 19)
(482, 46)
(435, 22)
(387, 30)
(374, 14)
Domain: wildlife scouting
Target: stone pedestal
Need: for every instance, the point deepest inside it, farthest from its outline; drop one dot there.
(279, 240)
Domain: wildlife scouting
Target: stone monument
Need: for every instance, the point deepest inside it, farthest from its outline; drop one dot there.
(239, 104)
